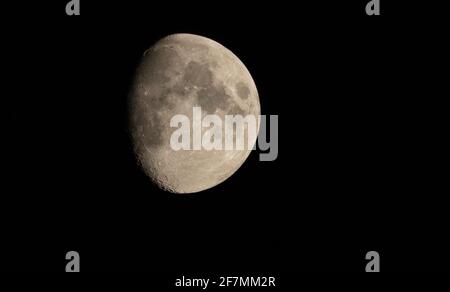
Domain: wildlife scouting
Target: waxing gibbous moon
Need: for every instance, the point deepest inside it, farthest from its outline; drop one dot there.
(177, 73)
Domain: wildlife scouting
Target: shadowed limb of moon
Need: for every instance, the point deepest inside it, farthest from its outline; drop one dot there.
(177, 73)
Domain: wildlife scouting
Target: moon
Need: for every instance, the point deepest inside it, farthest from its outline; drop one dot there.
(177, 73)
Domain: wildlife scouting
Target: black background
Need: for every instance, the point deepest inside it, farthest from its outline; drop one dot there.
(363, 140)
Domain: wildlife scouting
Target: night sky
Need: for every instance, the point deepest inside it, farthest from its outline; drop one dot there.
(363, 140)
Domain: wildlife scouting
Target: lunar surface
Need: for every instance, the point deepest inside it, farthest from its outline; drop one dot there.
(179, 72)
